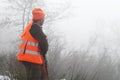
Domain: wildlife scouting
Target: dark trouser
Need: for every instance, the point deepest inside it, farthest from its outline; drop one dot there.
(33, 71)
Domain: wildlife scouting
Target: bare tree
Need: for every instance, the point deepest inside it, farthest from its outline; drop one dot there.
(24, 7)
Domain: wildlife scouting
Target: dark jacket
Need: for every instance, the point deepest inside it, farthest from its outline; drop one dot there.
(38, 34)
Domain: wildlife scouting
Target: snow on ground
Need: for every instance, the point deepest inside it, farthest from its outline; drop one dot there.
(4, 77)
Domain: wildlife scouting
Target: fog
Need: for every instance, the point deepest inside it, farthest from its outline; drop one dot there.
(92, 17)
(84, 19)
(75, 29)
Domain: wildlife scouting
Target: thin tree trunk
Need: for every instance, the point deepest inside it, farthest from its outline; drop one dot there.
(24, 18)
(28, 19)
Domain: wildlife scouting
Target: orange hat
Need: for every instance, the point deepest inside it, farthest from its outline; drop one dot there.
(38, 14)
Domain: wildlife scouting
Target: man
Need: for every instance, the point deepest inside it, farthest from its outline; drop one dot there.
(34, 47)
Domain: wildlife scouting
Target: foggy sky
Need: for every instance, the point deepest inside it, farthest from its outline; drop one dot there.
(89, 18)
(86, 19)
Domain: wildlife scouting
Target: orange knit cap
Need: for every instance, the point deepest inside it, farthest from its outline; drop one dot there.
(38, 14)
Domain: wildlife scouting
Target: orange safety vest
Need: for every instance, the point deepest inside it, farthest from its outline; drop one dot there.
(29, 50)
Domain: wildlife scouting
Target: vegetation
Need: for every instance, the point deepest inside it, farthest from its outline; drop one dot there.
(94, 62)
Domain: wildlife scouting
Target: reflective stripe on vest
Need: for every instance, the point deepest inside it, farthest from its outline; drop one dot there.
(30, 43)
(30, 52)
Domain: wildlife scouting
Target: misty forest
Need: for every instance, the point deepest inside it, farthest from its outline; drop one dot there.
(98, 59)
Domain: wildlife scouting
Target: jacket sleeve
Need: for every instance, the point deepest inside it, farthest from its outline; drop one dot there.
(38, 34)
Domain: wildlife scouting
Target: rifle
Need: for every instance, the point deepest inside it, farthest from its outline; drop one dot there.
(44, 69)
